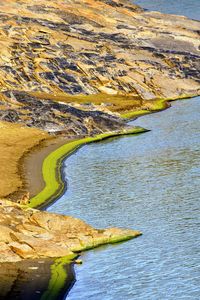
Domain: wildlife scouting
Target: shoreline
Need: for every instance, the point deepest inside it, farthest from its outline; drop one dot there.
(133, 115)
(31, 162)
(36, 156)
(39, 276)
(160, 105)
(30, 166)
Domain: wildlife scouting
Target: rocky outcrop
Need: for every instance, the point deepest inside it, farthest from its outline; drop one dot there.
(28, 234)
(56, 117)
(89, 47)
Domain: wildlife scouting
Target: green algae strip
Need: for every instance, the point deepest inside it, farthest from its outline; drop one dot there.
(157, 105)
(58, 278)
(132, 114)
(54, 185)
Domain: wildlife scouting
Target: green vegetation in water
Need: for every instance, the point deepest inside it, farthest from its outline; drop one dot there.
(58, 278)
(54, 185)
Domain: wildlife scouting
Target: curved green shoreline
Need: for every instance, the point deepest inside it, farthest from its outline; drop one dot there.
(51, 168)
(158, 105)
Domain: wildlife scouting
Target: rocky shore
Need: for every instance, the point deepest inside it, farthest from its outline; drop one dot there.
(29, 234)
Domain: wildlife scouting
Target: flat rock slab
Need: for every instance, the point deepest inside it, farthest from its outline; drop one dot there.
(29, 234)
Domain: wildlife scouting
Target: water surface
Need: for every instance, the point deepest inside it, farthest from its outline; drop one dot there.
(189, 8)
(148, 182)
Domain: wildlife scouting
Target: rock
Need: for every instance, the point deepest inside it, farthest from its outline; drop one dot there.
(7, 255)
(78, 261)
(5, 233)
(23, 250)
(25, 199)
(58, 223)
(38, 234)
(54, 117)
(91, 48)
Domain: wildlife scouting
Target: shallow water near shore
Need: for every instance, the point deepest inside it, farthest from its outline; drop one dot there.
(149, 182)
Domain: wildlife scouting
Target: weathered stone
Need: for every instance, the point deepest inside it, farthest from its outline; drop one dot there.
(7, 255)
(23, 250)
(41, 234)
(75, 48)
(59, 223)
(5, 232)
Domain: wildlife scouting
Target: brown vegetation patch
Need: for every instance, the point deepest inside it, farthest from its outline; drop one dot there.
(15, 141)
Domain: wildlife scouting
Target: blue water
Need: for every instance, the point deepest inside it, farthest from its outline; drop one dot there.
(189, 8)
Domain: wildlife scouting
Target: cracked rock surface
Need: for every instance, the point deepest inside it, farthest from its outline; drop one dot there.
(89, 47)
(56, 117)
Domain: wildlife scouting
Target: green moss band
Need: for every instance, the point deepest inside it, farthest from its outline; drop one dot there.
(157, 105)
(54, 185)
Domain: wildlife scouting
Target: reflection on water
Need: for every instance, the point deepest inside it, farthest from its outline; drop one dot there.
(148, 182)
(32, 280)
(24, 280)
